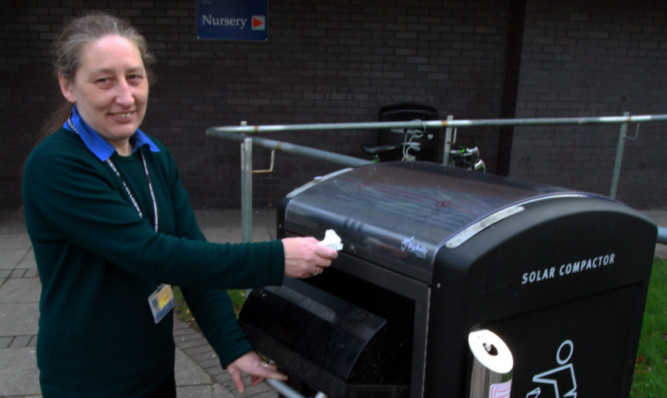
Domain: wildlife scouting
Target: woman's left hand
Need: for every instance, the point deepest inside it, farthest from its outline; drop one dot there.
(254, 366)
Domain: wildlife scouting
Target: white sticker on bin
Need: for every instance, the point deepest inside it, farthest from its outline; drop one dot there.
(332, 240)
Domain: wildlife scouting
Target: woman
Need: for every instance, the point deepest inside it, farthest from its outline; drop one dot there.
(112, 228)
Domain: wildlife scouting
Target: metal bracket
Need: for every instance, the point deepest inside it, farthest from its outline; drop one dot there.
(270, 169)
(636, 134)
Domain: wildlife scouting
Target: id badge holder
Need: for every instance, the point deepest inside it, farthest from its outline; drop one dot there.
(161, 302)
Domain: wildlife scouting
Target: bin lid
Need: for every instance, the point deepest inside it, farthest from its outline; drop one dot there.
(399, 214)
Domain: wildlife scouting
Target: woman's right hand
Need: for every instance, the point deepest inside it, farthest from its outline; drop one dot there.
(305, 257)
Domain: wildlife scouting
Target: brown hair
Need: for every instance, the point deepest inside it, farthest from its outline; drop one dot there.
(67, 52)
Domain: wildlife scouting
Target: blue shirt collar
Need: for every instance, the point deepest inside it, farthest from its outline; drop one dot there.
(98, 145)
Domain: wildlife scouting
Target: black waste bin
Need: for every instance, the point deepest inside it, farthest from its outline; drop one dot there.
(432, 254)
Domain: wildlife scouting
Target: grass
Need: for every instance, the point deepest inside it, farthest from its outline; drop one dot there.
(181, 310)
(238, 297)
(650, 378)
(183, 313)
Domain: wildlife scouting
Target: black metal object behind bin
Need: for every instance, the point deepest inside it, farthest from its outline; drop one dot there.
(429, 143)
(432, 253)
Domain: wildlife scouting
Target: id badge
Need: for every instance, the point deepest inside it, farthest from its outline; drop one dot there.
(161, 302)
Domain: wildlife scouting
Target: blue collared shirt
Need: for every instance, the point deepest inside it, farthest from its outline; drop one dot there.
(98, 145)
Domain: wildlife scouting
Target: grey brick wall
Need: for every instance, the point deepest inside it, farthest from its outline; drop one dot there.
(340, 61)
(594, 59)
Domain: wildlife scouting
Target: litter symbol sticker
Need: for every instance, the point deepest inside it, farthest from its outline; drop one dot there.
(501, 390)
(559, 382)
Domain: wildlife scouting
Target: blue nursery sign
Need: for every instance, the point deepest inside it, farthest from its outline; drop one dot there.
(232, 20)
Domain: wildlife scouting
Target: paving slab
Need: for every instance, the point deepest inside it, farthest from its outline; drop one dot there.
(204, 391)
(188, 373)
(20, 289)
(28, 261)
(18, 372)
(19, 319)
(14, 241)
(10, 258)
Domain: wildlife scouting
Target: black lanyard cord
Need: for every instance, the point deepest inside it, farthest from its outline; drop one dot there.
(129, 192)
(127, 188)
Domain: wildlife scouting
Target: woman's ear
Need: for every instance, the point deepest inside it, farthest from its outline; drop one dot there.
(66, 88)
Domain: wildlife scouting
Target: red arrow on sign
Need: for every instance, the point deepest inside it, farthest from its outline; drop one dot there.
(258, 22)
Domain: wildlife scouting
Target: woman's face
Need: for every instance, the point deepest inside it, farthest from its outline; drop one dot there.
(110, 89)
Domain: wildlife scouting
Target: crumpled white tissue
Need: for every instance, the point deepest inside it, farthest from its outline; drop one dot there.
(332, 240)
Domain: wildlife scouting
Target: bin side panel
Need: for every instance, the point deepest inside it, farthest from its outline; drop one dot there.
(567, 274)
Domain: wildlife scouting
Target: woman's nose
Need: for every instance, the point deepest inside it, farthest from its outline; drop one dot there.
(124, 93)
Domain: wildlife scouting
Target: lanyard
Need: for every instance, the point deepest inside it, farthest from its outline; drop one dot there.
(127, 188)
(129, 193)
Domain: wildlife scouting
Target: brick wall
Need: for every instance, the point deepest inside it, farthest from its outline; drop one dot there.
(340, 61)
(594, 59)
(325, 61)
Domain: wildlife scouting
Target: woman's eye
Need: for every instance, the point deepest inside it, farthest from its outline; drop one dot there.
(103, 81)
(136, 79)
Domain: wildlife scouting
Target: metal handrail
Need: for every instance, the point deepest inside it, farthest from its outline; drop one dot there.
(452, 123)
(294, 149)
(239, 133)
(434, 124)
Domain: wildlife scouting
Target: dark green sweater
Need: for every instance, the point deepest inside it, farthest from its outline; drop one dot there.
(98, 262)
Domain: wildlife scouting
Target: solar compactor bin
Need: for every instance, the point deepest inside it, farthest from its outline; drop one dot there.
(433, 255)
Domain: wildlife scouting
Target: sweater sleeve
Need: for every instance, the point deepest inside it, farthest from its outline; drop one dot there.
(215, 316)
(212, 308)
(85, 207)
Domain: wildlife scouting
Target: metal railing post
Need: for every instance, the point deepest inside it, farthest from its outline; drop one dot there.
(620, 146)
(662, 235)
(246, 190)
(447, 147)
